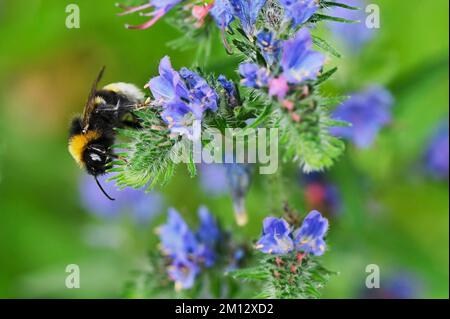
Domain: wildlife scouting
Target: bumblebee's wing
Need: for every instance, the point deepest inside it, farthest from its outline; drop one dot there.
(90, 105)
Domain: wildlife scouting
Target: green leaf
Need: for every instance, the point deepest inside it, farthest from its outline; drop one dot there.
(256, 273)
(323, 17)
(325, 76)
(329, 4)
(325, 46)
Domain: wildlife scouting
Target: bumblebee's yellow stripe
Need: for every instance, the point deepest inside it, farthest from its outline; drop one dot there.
(78, 143)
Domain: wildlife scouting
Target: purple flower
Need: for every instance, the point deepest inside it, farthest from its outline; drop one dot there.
(177, 240)
(309, 237)
(299, 11)
(399, 285)
(231, 91)
(189, 252)
(247, 11)
(208, 235)
(168, 85)
(222, 12)
(201, 95)
(298, 61)
(436, 156)
(353, 35)
(239, 179)
(269, 45)
(213, 179)
(208, 231)
(159, 9)
(184, 97)
(183, 272)
(402, 286)
(368, 112)
(142, 207)
(276, 237)
(253, 76)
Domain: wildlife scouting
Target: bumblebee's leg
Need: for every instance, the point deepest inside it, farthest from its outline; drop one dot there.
(121, 158)
(108, 108)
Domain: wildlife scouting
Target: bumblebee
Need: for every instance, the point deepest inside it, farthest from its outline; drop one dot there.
(92, 135)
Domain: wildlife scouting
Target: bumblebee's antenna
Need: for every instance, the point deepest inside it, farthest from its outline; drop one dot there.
(101, 188)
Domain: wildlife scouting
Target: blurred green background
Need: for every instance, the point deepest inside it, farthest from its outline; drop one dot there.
(393, 215)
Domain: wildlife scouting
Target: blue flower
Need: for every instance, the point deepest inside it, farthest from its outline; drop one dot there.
(368, 112)
(179, 117)
(299, 11)
(253, 76)
(222, 12)
(298, 61)
(141, 206)
(270, 46)
(184, 97)
(177, 240)
(236, 259)
(229, 86)
(208, 235)
(168, 85)
(159, 7)
(230, 89)
(201, 95)
(213, 179)
(399, 285)
(309, 237)
(353, 35)
(189, 252)
(208, 231)
(276, 237)
(402, 285)
(247, 11)
(239, 178)
(436, 156)
(183, 272)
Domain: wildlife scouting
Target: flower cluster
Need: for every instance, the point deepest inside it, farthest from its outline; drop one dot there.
(187, 251)
(223, 12)
(279, 238)
(247, 11)
(436, 156)
(184, 97)
(368, 112)
(298, 63)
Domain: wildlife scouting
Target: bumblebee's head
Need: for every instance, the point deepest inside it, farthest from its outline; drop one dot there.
(97, 159)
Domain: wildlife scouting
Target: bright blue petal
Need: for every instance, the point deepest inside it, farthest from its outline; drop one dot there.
(299, 11)
(309, 237)
(367, 112)
(299, 62)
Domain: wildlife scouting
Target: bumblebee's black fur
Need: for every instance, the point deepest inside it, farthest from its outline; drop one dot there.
(115, 113)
